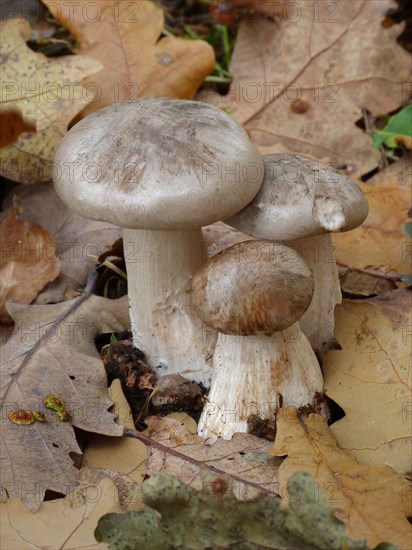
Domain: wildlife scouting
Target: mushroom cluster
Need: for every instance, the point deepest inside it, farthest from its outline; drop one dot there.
(247, 321)
(161, 169)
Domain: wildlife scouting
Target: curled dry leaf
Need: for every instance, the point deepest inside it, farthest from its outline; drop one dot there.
(27, 261)
(182, 453)
(52, 353)
(308, 54)
(371, 501)
(137, 63)
(59, 524)
(45, 92)
(370, 378)
(78, 241)
(379, 244)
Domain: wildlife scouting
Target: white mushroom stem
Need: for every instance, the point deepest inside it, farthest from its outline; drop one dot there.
(318, 321)
(164, 324)
(266, 373)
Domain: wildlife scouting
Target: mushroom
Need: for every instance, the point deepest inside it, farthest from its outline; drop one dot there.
(301, 201)
(253, 294)
(161, 169)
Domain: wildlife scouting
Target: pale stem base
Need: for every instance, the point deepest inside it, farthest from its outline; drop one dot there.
(165, 326)
(256, 375)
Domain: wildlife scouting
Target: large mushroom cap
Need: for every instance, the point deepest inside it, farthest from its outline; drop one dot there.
(301, 197)
(157, 163)
(252, 287)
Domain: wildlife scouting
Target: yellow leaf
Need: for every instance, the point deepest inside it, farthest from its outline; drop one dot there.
(370, 378)
(371, 501)
(379, 243)
(59, 523)
(46, 92)
(124, 36)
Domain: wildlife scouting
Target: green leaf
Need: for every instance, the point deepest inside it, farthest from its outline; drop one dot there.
(214, 518)
(398, 130)
(407, 229)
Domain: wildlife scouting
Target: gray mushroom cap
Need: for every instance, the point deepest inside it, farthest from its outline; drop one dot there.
(157, 163)
(301, 197)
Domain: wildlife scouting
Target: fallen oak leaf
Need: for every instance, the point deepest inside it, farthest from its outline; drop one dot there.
(137, 63)
(174, 449)
(52, 353)
(379, 244)
(371, 501)
(78, 240)
(370, 378)
(308, 56)
(61, 523)
(180, 518)
(122, 459)
(45, 92)
(27, 261)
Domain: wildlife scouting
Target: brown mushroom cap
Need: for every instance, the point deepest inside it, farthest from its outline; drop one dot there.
(301, 197)
(252, 287)
(157, 163)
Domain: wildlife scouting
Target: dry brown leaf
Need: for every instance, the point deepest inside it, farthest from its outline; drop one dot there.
(136, 63)
(67, 523)
(371, 501)
(379, 243)
(45, 92)
(52, 352)
(123, 460)
(244, 458)
(27, 261)
(78, 240)
(11, 126)
(370, 378)
(336, 59)
(219, 236)
(358, 283)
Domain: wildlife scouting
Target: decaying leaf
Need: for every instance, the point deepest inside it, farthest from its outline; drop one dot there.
(298, 84)
(52, 353)
(78, 241)
(27, 261)
(213, 518)
(137, 63)
(370, 378)
(379, 243)
(63, 523)
(46, 93)
(371, 501)
(182, 453)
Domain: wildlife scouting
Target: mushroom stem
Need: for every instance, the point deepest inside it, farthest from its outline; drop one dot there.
(318, 321)
(164, 323)
(267, 372)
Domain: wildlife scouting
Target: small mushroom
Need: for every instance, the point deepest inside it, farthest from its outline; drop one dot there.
(253, 293)
(301, 201)
(161, 169)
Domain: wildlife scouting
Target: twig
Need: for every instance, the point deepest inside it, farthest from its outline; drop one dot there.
(127, 432)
